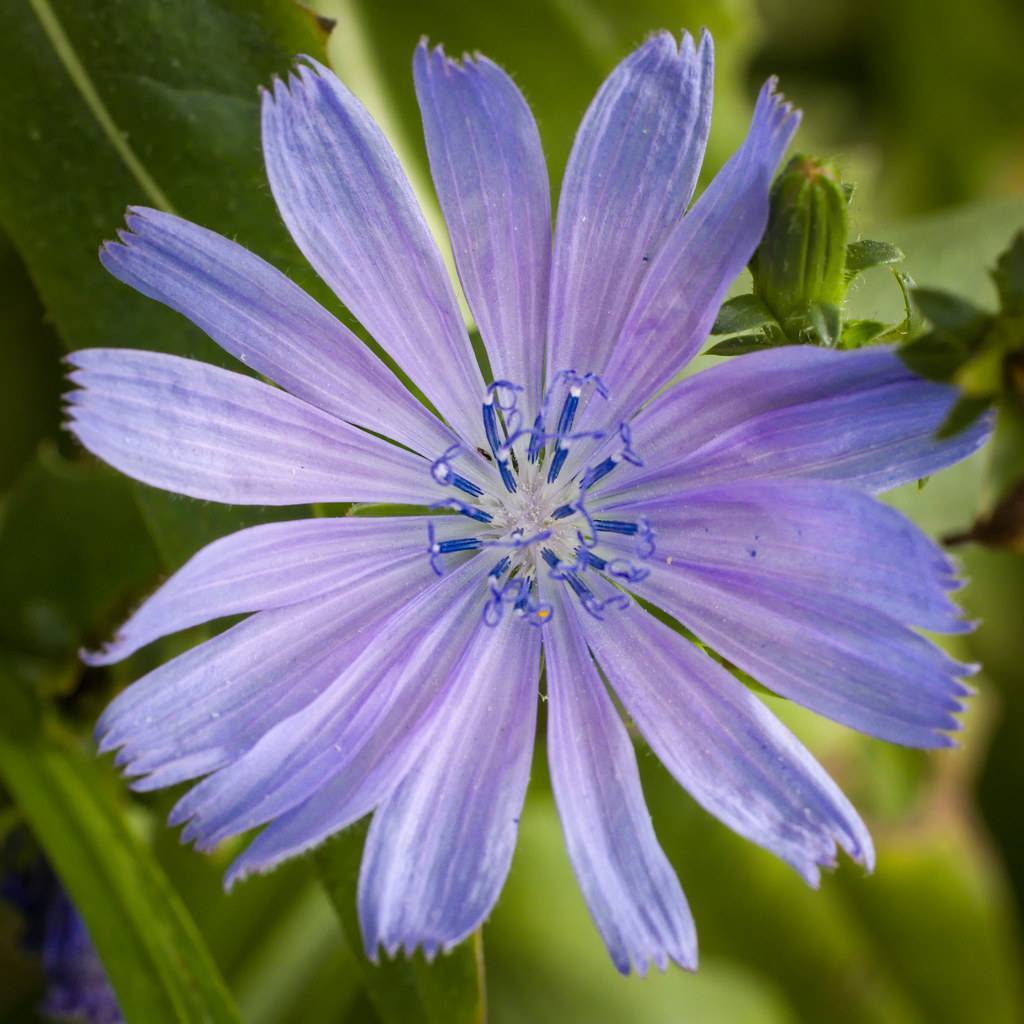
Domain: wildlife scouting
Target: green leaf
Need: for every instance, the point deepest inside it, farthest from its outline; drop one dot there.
(741, 345)
(29, 368)
(858, 333)
(947, 311)
(1009, 277)
(930, 884)
(741, 314)
(962, 415)
(1006, 467)
(106, 105)
(450, 990)
(76, 555)
(936, 356)
(151, 950)
(865, 254)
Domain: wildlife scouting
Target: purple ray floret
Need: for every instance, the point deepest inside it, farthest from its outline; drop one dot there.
(391, 665)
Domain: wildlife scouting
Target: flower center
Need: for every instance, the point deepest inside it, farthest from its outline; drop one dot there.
(531, 513)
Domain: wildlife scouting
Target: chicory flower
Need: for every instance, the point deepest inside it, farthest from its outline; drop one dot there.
(392, 664)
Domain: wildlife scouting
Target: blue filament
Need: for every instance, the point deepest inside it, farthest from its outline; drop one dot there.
(624, 569)
(644, 539)
(627, 452)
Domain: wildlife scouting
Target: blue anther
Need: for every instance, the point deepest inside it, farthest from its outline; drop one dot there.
(561, 454)
(506, 477)
(567, 572)
(500, 567)
(568, 414)
(586, 558)
(462, 544)
(616, 526)
(465, 485)
(579, 588)
(563, 512)
(491, 430)
(569, 407)
(599, 472)
(491, 425)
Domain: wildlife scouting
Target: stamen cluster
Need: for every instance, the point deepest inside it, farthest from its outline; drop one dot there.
(537, 514)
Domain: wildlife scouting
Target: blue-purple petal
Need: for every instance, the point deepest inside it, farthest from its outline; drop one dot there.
(828, 537)
(847, 661)
(271, 566)
(207, 707)
(722, 745)
(689, 277)
(195, 429)
(489, 172)
(350, 208)
(399, 668)
(265, 320)
(632, 892)
(862, 418)
(630, 176)
(440, 846)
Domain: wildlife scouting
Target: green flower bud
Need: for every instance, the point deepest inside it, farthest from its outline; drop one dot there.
(799, 270)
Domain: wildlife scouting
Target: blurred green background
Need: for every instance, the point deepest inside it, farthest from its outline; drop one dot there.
(109, 102)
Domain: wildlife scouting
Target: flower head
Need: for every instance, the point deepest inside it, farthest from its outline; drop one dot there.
(391, 665)
(77, 987)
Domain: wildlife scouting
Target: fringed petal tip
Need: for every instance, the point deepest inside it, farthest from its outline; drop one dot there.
(255, 861)
(685, 48)
(305, 71)
(379, 948)
(686, 958)
(778, 115)
(108, 654)
(855, 843)
(243, 868)
(427, 56)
